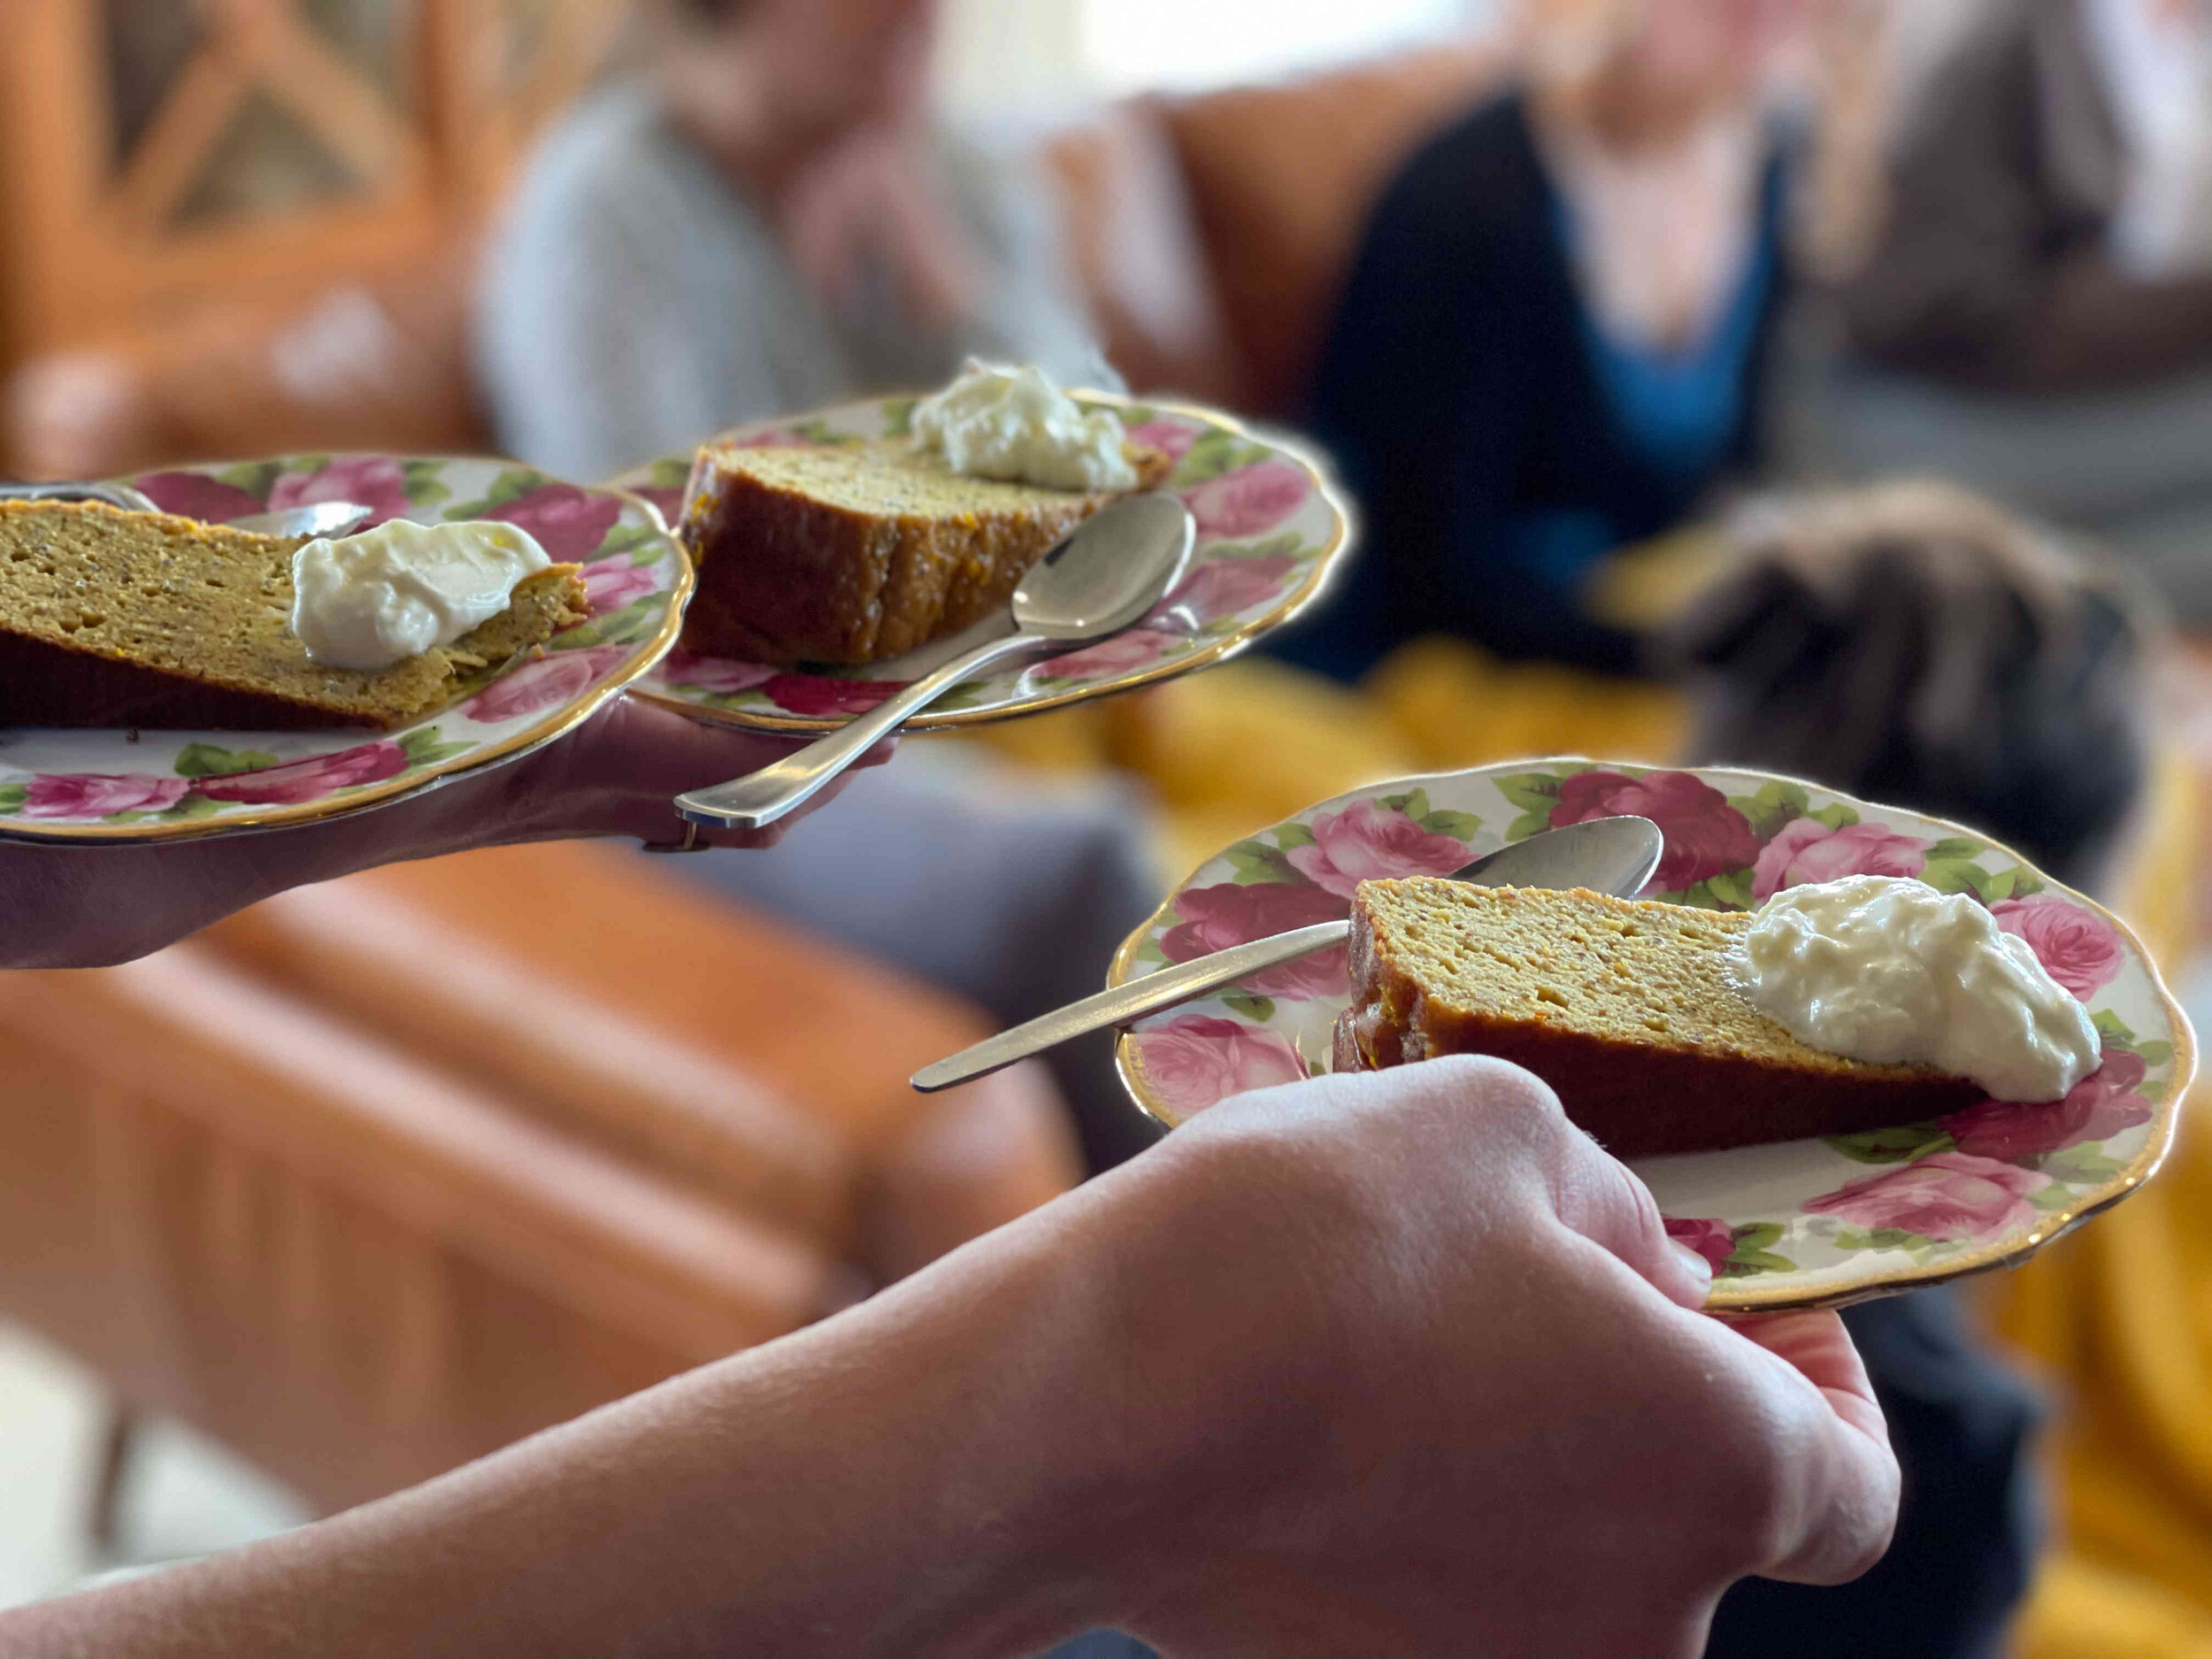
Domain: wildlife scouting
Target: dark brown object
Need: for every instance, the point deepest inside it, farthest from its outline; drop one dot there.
(852, 553)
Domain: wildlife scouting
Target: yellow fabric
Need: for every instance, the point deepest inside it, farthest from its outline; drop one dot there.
(2117, 1319)
(1232, 751)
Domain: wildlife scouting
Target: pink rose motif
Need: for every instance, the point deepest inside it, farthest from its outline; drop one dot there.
(1806, 850)
(1715, 1241)
(556, 678)
(1214, 918)
(569, 523)
(1197, 1062)
(669, 500)
(2102, 1105)
(808, 694)
(299, 781)
(1247, 502)
(1706, 837)
(1221, 588)
(717, 676)
(197, 495)
(1946, 1196)
(2077, 946)
(1171, 438)
(1366, 841)
(1123, 654)
(611, 584)
(776, 438)
(374, 481)
(94, 795)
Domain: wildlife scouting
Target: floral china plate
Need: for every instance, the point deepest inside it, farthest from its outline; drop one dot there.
(105, 785)
(1271, 535)
(1802, 1223)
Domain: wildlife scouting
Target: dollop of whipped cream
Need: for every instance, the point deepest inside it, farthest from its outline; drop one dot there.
(1014, 424)
(1888, 969)
(372, 600)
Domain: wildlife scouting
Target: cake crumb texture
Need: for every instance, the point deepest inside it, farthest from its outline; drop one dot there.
(1627, 1007)
(847, 554)
(112, 618)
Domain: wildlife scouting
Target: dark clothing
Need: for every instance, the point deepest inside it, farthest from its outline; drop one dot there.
(1494, 440)
(1966, 1541)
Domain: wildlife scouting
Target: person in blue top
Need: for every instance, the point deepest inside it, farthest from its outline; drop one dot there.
(1552, 338)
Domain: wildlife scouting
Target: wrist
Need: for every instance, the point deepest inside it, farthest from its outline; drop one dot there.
(1167, 1393)
(1055, 1489)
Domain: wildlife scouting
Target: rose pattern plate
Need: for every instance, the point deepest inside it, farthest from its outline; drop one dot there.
(1271, 535)
(96, 785)
(1803, 1224)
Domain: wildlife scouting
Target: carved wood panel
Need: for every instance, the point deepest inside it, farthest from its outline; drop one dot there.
(157, 153)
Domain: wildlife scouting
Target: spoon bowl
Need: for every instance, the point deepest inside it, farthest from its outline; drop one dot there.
(1109, 573)
(321, 518)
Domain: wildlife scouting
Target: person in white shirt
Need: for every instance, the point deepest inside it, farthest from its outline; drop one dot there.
(768, 220)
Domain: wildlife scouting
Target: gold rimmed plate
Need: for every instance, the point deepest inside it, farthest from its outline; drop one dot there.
(95, 786)
(1272, 533)
(1799, 1224)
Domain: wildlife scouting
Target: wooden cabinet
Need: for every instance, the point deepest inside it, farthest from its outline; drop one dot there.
(157, 156)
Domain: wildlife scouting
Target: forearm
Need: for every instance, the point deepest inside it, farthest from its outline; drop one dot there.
(78, 907)
(81, 907)
(899, 1480)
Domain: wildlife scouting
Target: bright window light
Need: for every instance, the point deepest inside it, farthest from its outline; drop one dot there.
(1133, 45)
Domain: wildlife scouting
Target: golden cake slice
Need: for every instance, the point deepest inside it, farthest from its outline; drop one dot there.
(1628, 1009)
(852, 553)
(114, 619)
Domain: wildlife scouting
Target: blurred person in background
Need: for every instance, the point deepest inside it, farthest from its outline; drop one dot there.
(1552, 340)
(1914, 643)
(2033, 311)
(2050, 202)
(767, 222)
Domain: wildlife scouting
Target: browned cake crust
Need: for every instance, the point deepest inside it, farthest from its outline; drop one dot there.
(1442, 968)
(145, 619)
(854, 553)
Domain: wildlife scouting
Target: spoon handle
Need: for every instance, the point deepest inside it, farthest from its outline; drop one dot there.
(761, 797)
(122, 495)
(1125, 1003)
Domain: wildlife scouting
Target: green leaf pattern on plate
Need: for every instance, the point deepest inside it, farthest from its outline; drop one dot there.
(1801, 1227)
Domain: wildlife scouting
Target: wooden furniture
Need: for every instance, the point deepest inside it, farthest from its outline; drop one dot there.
(1210, 233)
(382, 1175)
(164, 160)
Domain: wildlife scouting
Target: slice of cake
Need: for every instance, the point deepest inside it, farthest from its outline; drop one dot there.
(852, 553)
(1627, 1008)
(114, 619)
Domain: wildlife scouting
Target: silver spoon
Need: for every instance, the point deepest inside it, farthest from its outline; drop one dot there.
(321, 518)
(1117, 566)
(1606, 854)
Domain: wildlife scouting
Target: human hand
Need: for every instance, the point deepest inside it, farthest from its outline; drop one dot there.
(1392, 1363)
(1419, 1363)
(614, 776)
(874, 196)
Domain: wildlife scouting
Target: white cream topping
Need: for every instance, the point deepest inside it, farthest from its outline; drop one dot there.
(372, 600)
(1015, 423)
(1887, 970)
